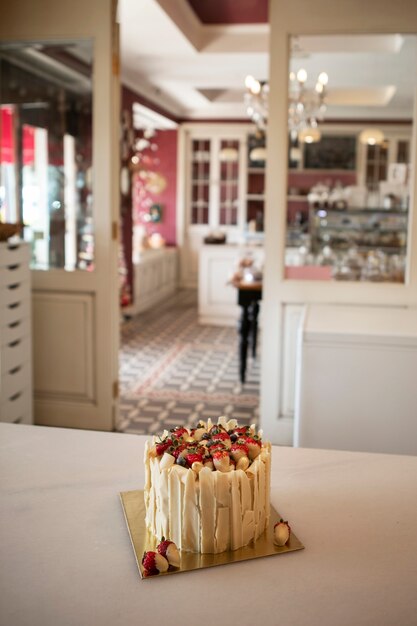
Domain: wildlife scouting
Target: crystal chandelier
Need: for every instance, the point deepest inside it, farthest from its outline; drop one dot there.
(306, 107)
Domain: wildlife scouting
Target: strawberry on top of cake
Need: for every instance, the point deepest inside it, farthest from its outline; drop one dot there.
(223, 446)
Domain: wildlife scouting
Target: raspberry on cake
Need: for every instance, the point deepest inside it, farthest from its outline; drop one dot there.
(208, 488)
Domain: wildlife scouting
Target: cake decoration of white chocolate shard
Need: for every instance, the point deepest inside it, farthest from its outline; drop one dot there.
(206, 487)
(282, 533)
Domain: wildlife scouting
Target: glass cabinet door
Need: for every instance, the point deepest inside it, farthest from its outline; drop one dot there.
(200, 180)
(216, 189)
(46, 149)
(229, 182)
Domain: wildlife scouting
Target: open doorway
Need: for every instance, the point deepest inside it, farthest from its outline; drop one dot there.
(173, 369)
(188, 189)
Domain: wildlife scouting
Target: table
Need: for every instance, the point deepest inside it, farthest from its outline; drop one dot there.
(67, 560)
(248, 297)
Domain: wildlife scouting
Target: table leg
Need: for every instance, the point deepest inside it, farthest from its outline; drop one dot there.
(253, 320)
(244, 327)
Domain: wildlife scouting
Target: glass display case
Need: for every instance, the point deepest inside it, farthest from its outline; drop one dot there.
(255, 197)
(366, 229)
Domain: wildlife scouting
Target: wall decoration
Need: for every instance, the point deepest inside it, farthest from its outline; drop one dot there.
(155, 213)
(397, 173)
(332, 152)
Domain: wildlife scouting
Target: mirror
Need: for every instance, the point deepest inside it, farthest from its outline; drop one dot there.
(46, 149)
(350, 116)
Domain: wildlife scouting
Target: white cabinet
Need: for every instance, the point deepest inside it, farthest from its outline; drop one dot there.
(356, 379)
(155, 278)
(217, 300)
(213, 196)
(15, 334)
(377, 159)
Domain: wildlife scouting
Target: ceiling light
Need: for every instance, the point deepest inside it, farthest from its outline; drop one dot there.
(302, 76)
(253, 85)
(306, 106)
(371, 136)
(323, 78)
(258, 154)
(249, 81)
(309, 135)
(229, 155)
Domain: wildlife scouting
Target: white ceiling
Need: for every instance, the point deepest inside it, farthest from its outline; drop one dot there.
(197, 71)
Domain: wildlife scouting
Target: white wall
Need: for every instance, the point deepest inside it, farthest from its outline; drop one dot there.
(315, 18)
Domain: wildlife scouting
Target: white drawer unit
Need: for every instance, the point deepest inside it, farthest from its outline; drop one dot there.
(15, 334)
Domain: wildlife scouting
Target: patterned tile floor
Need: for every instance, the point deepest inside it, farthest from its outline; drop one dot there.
(175, 371)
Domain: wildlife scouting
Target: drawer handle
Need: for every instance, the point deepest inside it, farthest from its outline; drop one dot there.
(14, 286)
(15, 343)
(14, 305)
(15, 397)
(13, 267)
(15, 370)
(14, 324)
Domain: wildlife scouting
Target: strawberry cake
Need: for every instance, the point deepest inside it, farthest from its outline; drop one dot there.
(207, 488)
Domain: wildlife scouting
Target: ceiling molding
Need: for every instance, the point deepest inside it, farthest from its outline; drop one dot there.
(145, 117)
(245, 38)
(152, 96)
(223, 95)
(361, 96)
(359, 44)
(216, 38)
(231, 11)
(226, 110)
(196, 70)
(368, 121)
(185, 20)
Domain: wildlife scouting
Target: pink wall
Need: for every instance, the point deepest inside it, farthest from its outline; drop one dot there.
(230, 11)
(166, 140)
(300, 183)
(304, 180)
(167, 154)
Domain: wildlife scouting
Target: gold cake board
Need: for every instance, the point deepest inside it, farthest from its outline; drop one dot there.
(142, 541)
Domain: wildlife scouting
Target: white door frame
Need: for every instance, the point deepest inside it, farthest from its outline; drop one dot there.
(315, 18)
(79, 302)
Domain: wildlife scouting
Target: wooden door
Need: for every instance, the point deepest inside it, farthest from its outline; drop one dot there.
(74, 193)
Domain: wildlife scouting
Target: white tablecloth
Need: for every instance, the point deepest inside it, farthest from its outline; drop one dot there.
(66, 557)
